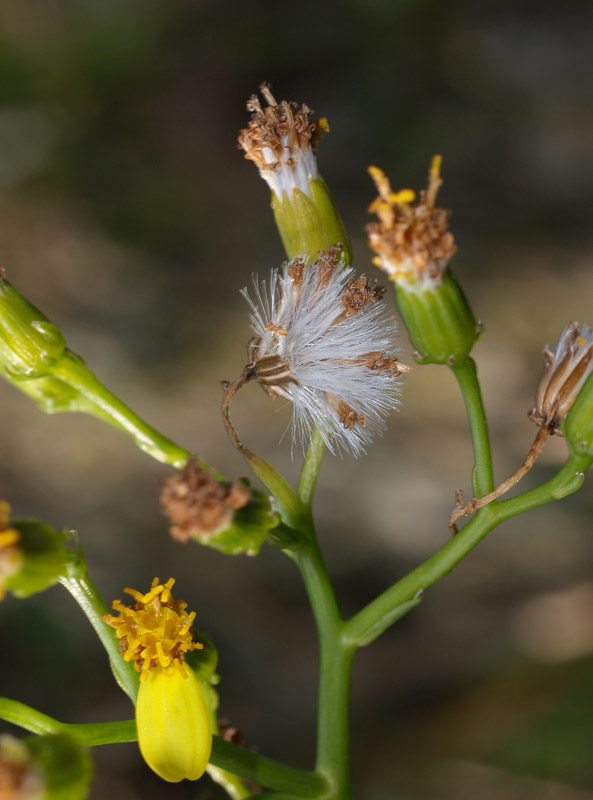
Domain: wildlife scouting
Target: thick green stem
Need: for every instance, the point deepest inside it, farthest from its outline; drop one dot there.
(376, 617)
(88, 598)
(333, 730)
(311, 467)
(467, 376)
(105, 405)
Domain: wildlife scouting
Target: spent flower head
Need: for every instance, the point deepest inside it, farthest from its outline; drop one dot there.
(566, 370)
(411, 239)
(325, 343)
(281, 139)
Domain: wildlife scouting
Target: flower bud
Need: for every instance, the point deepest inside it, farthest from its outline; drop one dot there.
(29, 343)
(230, 517)
(282, 140)
(32, 554)
(49, 767)
(172, 717)
(413, 246)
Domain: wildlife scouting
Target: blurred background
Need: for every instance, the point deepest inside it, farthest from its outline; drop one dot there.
(129, 216)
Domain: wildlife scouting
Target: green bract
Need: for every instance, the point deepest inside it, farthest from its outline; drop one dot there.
(441, 325)
(44, 557)
(65, 764)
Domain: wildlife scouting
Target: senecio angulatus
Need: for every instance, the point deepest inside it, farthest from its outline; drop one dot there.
(324, 341)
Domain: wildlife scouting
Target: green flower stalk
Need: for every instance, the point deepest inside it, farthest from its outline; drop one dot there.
(228, 516)
(33, 555)
(281, 139)
(52, 767)
(35, 359)
(413, 246)
(172, 716)
(563, 404)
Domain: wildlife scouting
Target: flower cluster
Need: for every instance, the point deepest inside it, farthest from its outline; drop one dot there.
(155, 631)
(411, 240)
(324, 342)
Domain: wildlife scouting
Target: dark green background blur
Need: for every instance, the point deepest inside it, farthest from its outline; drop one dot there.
(129, 216)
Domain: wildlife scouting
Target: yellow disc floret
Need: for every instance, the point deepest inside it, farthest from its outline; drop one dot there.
(11, 556)
(156, 631)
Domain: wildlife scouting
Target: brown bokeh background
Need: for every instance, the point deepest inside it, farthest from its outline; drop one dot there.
(128, 215)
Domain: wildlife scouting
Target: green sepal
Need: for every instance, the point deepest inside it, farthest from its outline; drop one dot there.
(248, 529)
(310, 222)
(44, 555)
(30, 344)
(204, 661)
(65, 763)
(441, 325)
(577, 426)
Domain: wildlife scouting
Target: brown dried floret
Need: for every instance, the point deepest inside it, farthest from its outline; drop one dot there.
(198, 504)
(276, 128)
(410, 238)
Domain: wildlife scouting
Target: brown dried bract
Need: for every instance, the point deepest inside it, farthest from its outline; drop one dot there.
(198, 504)
(410, 238)
(564, 374)
(277, 127)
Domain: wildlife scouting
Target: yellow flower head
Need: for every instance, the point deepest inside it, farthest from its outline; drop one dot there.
(172, 716)
(11, 555)
(156, 631)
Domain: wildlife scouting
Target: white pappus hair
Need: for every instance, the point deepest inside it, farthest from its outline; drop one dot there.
(324, 341)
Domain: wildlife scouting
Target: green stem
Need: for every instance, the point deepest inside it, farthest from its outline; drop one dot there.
(311, 467)
(378, 615)
(467, 376)
(333, 740)
(251, 766)
(88, 598)
(106, 406)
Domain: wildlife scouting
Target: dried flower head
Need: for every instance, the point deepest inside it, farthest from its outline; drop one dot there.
(281, 139)
(11, 554)
(411, 240)
(156, 631)
(198, 504)
(20, 778)
(324, 342)
(566, 370)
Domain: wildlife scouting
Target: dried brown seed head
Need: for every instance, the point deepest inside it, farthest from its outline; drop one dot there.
(198, 504)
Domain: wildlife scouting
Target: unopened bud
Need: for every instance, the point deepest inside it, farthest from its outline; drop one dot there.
(30, 345)
(413, 246)
(228, 516)
(32, 554)
(282, 140)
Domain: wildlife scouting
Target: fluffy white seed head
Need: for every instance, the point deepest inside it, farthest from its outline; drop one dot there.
(325, 342)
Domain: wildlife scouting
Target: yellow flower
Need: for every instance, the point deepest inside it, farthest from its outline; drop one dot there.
(172, 717)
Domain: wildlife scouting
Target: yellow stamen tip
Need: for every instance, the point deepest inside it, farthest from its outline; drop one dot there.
(403, 197)
(323, 124)
(435, 166)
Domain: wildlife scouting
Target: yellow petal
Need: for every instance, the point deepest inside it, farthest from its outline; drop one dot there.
(173, 723)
